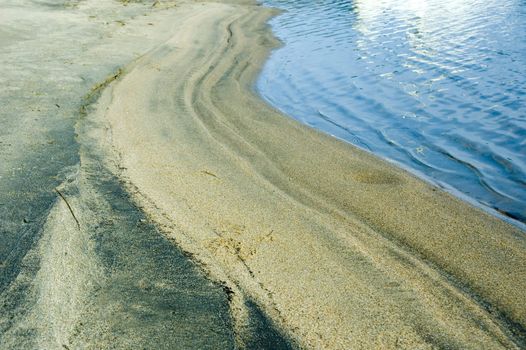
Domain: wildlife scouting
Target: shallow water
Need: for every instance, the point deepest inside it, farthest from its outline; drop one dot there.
(437, 86)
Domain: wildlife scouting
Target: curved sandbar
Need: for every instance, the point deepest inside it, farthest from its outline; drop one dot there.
(340, 248)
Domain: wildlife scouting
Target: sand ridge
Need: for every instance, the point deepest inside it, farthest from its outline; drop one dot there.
(81, 267)
(341, 249)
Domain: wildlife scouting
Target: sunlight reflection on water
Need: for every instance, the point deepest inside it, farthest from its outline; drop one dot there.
(436, 86)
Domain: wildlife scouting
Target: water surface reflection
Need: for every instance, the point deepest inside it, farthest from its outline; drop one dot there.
(435, 85)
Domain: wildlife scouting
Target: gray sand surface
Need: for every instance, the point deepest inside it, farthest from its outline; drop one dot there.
(81, 267)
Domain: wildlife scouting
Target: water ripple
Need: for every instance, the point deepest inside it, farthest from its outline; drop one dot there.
(438, 86)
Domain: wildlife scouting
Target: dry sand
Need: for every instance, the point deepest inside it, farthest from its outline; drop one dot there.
(341, 249)
(81, 267)
(278, 235)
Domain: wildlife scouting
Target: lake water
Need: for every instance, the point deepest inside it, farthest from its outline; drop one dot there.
(437, 86)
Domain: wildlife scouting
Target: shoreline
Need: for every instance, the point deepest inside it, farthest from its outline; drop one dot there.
(267, 201)
(441, 186)
(168, 200)
(346, 108)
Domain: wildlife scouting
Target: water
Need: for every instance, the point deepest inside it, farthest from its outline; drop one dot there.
(437, 86)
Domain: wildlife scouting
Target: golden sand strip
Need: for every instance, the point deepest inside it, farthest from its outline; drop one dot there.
(340, 248)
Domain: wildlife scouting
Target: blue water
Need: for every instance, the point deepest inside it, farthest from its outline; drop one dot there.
(437, 86)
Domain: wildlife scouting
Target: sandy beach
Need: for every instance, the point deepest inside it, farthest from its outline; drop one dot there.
(187, 213)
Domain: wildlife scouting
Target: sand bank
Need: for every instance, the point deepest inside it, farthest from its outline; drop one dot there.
(81, 267)
(341, 249)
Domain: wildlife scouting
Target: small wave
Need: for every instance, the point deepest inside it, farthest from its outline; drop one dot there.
(445, 78)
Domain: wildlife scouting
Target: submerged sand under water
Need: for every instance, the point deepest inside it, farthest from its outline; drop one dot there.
(194, 215)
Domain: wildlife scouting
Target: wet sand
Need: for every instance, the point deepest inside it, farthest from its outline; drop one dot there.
(189, 185)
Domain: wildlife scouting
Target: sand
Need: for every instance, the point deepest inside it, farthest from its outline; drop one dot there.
(81, 267)
(340, 248)
(202, 210)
